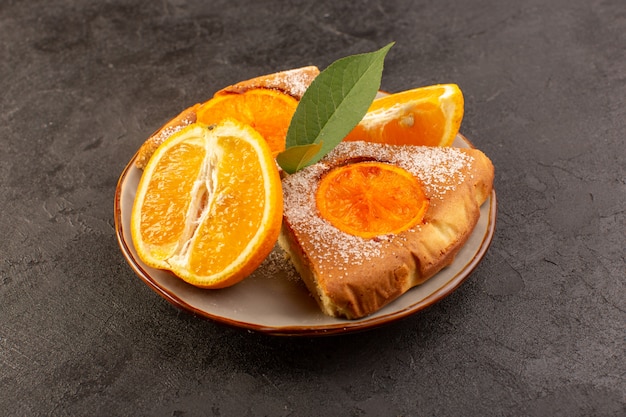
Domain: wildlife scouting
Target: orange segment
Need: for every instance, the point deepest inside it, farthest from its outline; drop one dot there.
(429, 116)
(163, 220)
(370, 199)
(237, 210)
(268, 111)
(209, 205)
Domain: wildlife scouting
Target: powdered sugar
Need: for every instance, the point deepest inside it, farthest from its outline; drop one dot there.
(168, 131)
(296, 82)
(277, 264)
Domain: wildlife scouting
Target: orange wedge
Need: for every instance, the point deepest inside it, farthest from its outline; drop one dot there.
(429, 116)
(209, 204)
(369, 199)
(267, 111)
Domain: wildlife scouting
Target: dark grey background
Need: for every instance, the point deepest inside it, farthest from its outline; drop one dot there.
(537, 330)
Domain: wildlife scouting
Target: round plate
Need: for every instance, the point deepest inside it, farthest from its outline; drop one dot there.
(272, 301)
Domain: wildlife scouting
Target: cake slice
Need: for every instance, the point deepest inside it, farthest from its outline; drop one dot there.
(352, 276)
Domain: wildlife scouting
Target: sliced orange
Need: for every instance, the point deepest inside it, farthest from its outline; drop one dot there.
(209, 204)
(369, 199)
(429, 116)
(268, 111)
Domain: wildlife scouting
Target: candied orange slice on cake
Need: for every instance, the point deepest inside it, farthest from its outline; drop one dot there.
(369, 199)
(429, 116)
(209, 204)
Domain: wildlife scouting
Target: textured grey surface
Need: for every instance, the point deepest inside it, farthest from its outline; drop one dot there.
(537, 330)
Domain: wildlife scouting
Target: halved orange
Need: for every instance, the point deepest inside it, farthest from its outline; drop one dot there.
(369, 199)
(267, 111)
(209, 204)
(429, 116)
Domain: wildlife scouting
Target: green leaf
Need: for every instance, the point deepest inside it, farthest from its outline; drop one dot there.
(333, 105)
(297, 157)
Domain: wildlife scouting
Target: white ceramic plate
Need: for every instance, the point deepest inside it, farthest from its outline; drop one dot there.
(272, 301)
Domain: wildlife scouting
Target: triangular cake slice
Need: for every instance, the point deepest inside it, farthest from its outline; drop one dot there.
(351, 276)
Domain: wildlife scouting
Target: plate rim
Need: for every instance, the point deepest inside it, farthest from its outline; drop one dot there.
(366, 323)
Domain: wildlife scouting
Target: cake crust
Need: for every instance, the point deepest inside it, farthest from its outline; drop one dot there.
(293, 82)
(353, 277)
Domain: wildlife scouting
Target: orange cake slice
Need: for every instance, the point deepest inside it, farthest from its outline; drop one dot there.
(352, 272)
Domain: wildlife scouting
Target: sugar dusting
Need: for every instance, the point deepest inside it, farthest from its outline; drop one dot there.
(295, 81)
(277, 264)
(168, 131)
(438, 169)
